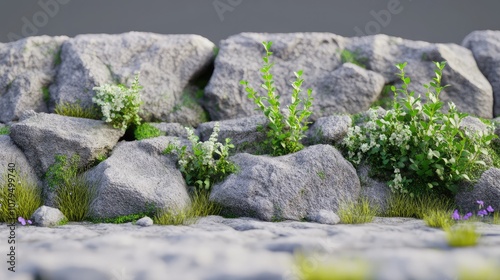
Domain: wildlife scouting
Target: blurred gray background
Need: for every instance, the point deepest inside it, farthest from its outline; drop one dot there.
(428, 20)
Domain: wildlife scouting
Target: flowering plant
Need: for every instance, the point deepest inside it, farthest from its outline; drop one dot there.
(23, 221)
(481, 213)
(119, 104)
(423, 148)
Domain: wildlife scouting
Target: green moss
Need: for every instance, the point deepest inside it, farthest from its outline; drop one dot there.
(63, 222)
(4, 130)
(77, 111)
(321, 175)
(353, 57)
(145, 131)
(57, 58)
(119, 220)
(46, 94)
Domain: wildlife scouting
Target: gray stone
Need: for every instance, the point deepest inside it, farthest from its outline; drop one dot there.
(243, 132)
(27, 68)
(485, 46)
(10, 153)
(144, 222)
(43, 136)
(474, 125)
(171, 129)
(327, 217)
(168, 64)
(288, 187)
(46, 216)
(137, 176)
(486, 189)
(329, 130)
(376, 192)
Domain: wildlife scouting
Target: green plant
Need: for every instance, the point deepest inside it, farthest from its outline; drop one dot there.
(200, 206)
(423, 148)
(4, 130)
(488, 270)
(356, 212)
(438, 218)
(353, 57)
(208, 162)
(462, 235)
(74, 199)
(145, 131)
(284, 130)
(337, 269)
(27, 196)
(46, 94)
(119, 104)
(496, 218)
(77, 111)
(62, 171)
(385, 99)
(404, 205)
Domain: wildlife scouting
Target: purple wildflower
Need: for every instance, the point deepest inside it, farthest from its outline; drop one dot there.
(22, 221)
(467, 216)
(481, 203)
(490, 209)
(455, 216)
(482, 213)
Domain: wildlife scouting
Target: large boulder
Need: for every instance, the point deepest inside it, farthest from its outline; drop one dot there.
(486, 189)
(27, 68)
(376, 192)
(43, 136)
(137, 176)
(485, 46)
(10, 153)
(329, 130)
(294, 187)
(168, 64)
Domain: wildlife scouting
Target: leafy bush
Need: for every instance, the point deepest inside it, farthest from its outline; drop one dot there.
(119, 104)
(145, 131)
(201, 206)
(208, 162)
(357, 212)
(28, 196)
(4, 130)
(284, 130)
(77, 111)
(423, 148)
(462, 235)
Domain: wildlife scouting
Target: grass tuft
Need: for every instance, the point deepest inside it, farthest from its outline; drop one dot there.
(463, 235)
(74, 199)
(340, 269)
(438, 218)
(356, 212)
(77, 111)
(402, 205)
(145, 131)
(201, 206)
(28, 197)
(496, 218)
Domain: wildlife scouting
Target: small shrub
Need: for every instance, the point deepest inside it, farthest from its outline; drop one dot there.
(77, 111)
(438, 218)
(462, 235)
(119, 104)
(284, 130)
(406, 206)
(4, 130)
(145, 131)
(201, 206)
(27, 196)
(423, 149)
(357, 212)
(74, 199)
(208, 162)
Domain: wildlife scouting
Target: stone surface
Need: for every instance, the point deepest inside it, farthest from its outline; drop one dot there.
(10, 153)
(135, 177)
(242, 249)
(27, 68)
(329, 130)
(486, 189)
(43, 136)
(324, 217)
(485, 46)
(168, 65)
(243, 132)
(473, 125)
(288, 187)
(145, 222)
(376, 192)
(46, 216)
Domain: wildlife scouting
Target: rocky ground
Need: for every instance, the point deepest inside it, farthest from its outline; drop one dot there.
(219, 248)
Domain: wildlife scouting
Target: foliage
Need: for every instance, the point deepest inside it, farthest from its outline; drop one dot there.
(62, 172)
(437, 218)
(284, 130)
(496, 218)
(357, 212)
(74, 199)
(385, 99)
(403, 205)
(201, 206)
(4, 130)
(27, 196)
(46, 94)
(77, 111)
(145, 131)
(423, 148)
(353, 57)
(208, 162)
(462, 235)
(119, 104)
(337, 269)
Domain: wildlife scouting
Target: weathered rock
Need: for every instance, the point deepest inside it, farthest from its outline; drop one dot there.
(474, 125)
(486, 189)
(27, 68)
(376, 192)
(46, 216)
(43, 136)
(243, 132)
(171, 129)
(329, 130)
(485, 46)
(288, 187)
(324, 217)
(168, 65)
(10, 153)
(137, 176)
(144, 222)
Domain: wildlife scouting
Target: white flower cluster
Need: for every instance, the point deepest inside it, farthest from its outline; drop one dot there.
(119, 104)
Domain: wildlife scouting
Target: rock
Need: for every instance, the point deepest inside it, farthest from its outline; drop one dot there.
(171, 129)
(288, 187)
(474, 125)
(10, 153)
(243, 132)
(485, 46)
(43, 136)
(27, 68)
(469, 89)
(486, 189)
(169, 65)
(144, 222)
(46, 216)
(324, 217)
(329, 130)
(376, 192)
(135, 177)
